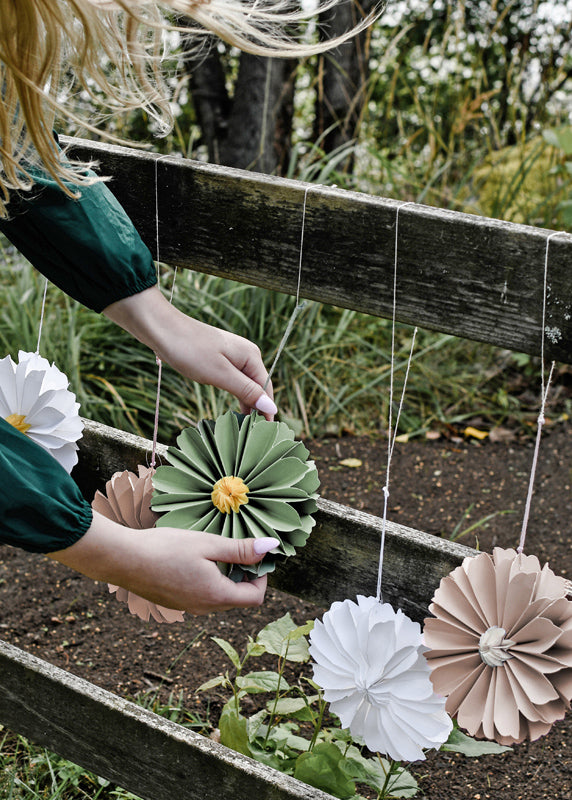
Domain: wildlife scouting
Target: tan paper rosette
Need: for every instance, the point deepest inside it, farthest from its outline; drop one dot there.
(128, 502)
(501, 646)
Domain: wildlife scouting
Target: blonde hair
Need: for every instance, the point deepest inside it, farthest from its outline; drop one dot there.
(114, 47)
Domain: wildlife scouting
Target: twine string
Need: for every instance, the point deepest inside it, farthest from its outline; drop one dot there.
(157, 359)
(42, 314)
(300, 306)
(545, 386)
(392, 429)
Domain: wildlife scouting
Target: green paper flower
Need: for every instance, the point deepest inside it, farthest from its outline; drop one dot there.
(239, 476)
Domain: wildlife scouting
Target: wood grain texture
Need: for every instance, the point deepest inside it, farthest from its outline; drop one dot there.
(471, 276)
(118, 740)
(341, 556)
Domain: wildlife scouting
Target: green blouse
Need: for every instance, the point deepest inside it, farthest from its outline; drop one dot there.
(90, 249)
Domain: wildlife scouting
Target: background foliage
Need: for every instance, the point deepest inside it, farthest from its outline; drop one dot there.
(463, 105)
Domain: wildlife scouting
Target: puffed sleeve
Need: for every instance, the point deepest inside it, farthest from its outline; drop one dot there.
(87, 246)
(41, 508)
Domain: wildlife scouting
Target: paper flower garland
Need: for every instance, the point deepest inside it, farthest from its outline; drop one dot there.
(369, 661)
(127, 501)
(240, 477)
(35, 399)
(501, 646)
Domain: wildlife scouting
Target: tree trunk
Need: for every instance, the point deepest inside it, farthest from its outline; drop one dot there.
(211, 101)
(342, 77)
(253, 129)
(259, 126)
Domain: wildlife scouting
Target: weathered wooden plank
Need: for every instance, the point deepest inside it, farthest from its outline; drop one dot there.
(341, 557)
(118, 740)
(458, 273)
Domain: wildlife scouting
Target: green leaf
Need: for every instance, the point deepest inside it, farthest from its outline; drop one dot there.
(322, 768)
(257, 682)
(287, 706)
(302, 630)
(459, 742)
(234, 731)
(255, 649)
(275, 637)
(228, 649)
(402, 784)
(220, 680)
(255, 724)
(560, 137)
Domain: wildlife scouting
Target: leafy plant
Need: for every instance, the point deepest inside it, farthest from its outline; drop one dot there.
(293, 731)
(28, 772)
(458, 531)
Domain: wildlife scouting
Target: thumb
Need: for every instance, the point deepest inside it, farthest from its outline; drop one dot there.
(245, 551)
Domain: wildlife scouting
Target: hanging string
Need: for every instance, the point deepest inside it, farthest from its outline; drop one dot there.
(392, 430)
(545, 386)
(157, 359)
(42, 316)
(300, 306)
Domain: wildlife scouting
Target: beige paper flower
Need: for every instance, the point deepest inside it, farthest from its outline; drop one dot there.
(127, 501)
(501, 646)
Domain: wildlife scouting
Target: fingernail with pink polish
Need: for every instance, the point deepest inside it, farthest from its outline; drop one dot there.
(262, 546)
(265, 405)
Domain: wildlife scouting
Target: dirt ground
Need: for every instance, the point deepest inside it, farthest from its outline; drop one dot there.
(437, 485)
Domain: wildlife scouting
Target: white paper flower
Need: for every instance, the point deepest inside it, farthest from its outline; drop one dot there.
(35, 399)
(127, 500)
(369, 661)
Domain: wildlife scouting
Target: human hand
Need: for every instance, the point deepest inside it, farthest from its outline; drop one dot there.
(173, 568)
(198, 351)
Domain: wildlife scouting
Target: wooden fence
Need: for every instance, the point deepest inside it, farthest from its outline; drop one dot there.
(470, 276)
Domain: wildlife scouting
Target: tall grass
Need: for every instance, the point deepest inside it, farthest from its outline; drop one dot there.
(333, 375)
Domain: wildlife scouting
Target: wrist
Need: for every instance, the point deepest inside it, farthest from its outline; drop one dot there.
(107, 552)
(146, 316)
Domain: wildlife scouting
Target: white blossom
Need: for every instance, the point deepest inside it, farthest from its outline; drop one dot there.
(369, 662)
(35, 399)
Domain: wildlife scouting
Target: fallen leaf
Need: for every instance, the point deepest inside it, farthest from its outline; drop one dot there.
(351, 462)
(432, 435)
(502, 435)
(475, 433)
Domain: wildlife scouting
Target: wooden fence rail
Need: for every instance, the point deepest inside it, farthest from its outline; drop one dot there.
(146, 754)
(465, 275)
(470, 276)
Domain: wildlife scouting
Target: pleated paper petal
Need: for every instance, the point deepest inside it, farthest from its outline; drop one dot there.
(501, 646)
(34, 397)
(369, 661)
(127, 501)
(240, 477)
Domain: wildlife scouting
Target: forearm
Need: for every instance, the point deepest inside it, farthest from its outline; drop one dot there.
(154, 321)
(196, 350)
(107, 552)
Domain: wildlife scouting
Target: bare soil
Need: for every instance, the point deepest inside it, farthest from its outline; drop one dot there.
(437, 485)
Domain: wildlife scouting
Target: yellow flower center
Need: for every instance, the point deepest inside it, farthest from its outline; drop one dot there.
(19, 422)
(229, 493)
